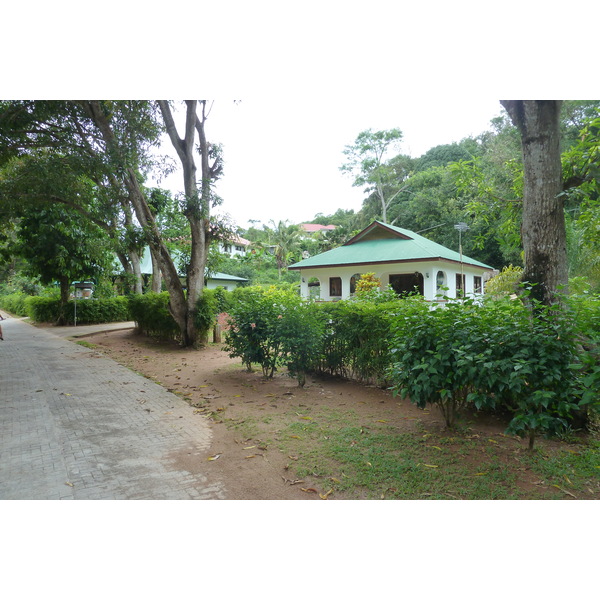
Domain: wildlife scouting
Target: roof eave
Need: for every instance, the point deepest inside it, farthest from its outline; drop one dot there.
(393, 262)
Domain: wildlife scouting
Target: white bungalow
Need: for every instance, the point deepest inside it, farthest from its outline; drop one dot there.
(400, 259)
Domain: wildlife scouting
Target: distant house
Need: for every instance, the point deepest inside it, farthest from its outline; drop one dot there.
(234, 247)
(228, 282)
(311, 228)
(400, 259)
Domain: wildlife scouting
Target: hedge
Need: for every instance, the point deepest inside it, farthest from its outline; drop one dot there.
(151, 313)
(89, 310)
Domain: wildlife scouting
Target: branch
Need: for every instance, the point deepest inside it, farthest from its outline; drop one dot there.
(177, 142)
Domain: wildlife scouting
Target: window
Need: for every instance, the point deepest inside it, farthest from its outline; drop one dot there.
(239, 248)
(353, 281)
(440, 283)
(335, 286)
(477, 285)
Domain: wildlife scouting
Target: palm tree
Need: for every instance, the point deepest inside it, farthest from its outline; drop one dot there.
(285, 240)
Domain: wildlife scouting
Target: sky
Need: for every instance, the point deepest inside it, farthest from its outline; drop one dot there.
(282, 154)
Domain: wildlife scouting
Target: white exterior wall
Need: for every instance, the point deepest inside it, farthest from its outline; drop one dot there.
(228, 284)
(232, 249)
(429, 270)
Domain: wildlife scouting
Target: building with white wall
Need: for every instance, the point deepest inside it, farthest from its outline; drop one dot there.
(400, 259)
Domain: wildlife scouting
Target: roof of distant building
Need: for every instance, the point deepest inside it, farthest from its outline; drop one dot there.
(314, 227)
(239, 240)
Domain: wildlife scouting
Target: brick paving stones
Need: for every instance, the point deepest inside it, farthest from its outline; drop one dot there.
(75, 425)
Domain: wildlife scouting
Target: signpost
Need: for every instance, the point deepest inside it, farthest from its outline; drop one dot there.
(81, 285)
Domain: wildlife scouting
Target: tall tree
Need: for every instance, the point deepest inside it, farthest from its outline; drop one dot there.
(59, 245)
(367, 163)
(543, 228)
(112, 140)
(56, 143)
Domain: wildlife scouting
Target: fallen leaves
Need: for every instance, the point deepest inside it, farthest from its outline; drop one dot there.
(214, 457)
(564, 491)
(292, 481)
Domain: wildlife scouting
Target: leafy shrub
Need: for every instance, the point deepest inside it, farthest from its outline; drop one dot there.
(429, 358)
(501, 353)
(43, 309)
(208, 306)
(367, 282)
(152, 317)
(357, 338)
(506, 282)
(15, 303)
(92, 310)
(223, 298)
(273, 327)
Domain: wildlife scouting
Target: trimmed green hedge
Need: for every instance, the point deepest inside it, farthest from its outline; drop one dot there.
(151, 314)
(89, 311)
(357, 343)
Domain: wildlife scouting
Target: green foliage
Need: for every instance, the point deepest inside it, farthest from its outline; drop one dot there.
(273, 327)
(506, 282)
(15, 303)
(91, 310)
(501, 354)
(152, 317)
(208, 306)
(357, 340)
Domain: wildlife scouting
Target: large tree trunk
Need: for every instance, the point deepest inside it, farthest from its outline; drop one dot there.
(543, 229)
(134, 255)
(177, 301)
(156, 273)
(65, 286)
(197, 209)
(137, 271)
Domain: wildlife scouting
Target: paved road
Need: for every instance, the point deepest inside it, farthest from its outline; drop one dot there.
(76, 425)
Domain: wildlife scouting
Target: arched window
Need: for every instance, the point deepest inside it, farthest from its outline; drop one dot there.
(314, 288)
(353, 281)
(441, 282)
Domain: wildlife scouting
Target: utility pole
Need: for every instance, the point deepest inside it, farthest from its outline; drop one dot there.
(461, 227)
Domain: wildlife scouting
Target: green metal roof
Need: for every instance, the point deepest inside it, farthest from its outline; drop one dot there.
(219, 276)
(382, 243)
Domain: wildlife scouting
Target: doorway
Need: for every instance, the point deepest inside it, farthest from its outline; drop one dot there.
(407, 283)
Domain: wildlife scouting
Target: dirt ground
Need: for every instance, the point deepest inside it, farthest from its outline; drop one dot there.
(247, 413)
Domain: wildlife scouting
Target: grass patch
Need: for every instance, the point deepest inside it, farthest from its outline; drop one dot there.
(386, 464)
(573, 471)
(379, 461)
(87, 344)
